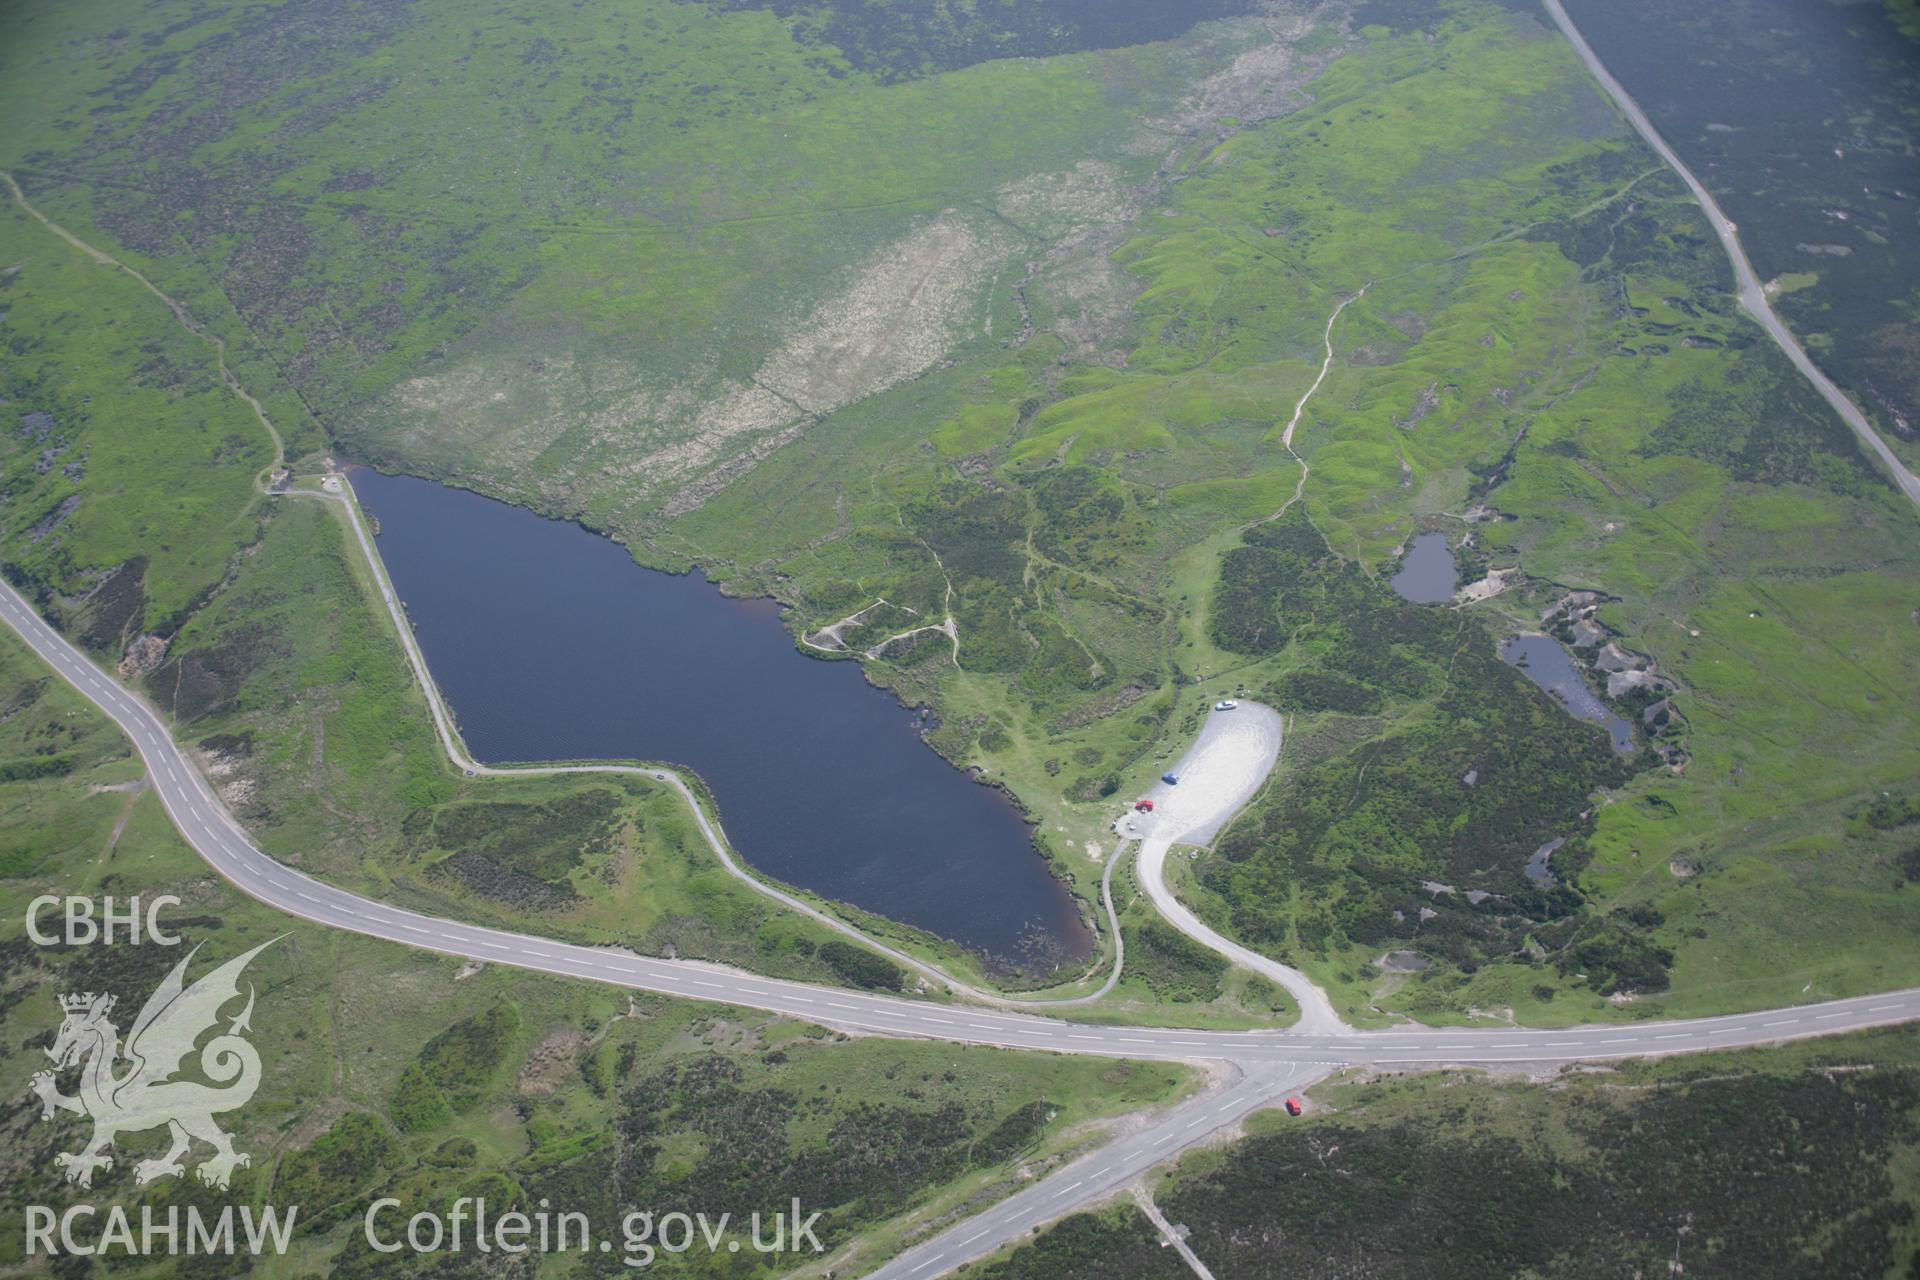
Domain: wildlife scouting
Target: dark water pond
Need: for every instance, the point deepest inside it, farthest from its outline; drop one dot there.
(550, 643)
(1537, 869)
(1427, 573)
(1547, 663)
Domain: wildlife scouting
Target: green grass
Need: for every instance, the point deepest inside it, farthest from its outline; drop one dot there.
(276, 661)
(1848, 290)
(536, 1084)
(143, 461)
(288, 679)
(522, 291)
(302, 705)
(650, 177)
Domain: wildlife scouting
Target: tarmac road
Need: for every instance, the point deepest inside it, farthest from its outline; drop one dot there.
(1098, 1174)
(1262, 1065)
(1753, 296)
(339, 490)
(1267, 1063)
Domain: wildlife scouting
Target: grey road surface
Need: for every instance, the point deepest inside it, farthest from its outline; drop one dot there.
(1268, 1063)
(1223, 769)
(1099, 1174)
(1753, 295)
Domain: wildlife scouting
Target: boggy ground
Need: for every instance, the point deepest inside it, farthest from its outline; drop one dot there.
(1801, 122)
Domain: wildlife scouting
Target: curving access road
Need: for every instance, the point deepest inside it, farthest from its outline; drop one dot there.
(338, 489)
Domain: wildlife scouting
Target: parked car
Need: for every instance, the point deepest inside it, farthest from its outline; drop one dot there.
(1293, 1106)
(1226, 704)
(1143, 806)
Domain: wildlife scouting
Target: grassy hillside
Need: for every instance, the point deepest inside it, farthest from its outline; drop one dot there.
(130, 526)
(137, 524)
(487, 245)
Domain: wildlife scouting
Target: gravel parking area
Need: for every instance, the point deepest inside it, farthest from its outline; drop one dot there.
(1219, 774)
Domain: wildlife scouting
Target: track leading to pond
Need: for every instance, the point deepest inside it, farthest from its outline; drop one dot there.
(207, 826)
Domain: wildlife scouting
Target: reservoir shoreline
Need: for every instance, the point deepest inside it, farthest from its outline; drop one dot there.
(825, 778)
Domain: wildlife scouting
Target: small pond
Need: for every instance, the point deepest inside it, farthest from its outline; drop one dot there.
(1537, 869)
(1427, 572)
(1547, 663)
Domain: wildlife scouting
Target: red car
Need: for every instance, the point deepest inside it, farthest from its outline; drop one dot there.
(1143, 806)
(1293, 1106)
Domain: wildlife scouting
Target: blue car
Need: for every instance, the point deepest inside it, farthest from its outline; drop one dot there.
(1169, 779)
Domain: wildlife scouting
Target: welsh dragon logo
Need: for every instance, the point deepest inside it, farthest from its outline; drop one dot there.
(146, 1095)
